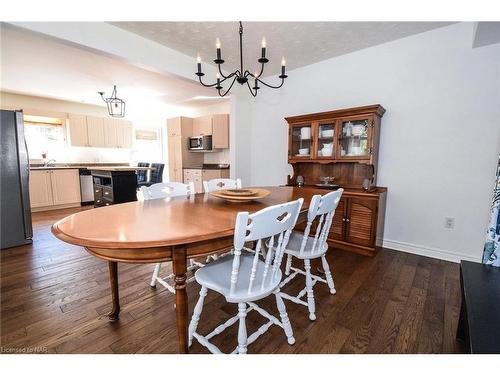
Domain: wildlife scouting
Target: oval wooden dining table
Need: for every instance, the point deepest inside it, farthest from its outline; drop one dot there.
(161, 230)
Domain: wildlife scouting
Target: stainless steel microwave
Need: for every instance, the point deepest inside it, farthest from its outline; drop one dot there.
(200, 143)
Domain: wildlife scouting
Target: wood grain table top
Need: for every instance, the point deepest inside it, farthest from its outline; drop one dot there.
(166, 222)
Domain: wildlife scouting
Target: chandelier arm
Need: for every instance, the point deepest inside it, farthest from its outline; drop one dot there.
(222, 74)
(251, 90)
(215, 84)
(247, 72)
(271, 86)
(227, 91)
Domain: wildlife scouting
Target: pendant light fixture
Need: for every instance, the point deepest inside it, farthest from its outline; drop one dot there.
(240, 76)
(116, 106)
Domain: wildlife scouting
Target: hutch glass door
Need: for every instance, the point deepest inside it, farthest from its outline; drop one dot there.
(354, 138)
(301, 141)
(326, 144)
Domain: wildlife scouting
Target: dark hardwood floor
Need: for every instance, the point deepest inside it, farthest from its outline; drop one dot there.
(54, 296)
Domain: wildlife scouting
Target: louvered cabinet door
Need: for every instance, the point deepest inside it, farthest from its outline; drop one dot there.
(361, 221)
(337, 231)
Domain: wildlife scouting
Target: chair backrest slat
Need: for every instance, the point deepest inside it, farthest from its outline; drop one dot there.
(221, 183)
(321, 211)
(270, 222)
(165, 190)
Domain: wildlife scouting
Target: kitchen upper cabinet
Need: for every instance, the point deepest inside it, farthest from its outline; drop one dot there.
(92, 131)
(65, 185)
(95, 129)
(202, 125)
(40, 188)
(220, 131)
(110, 136)
(215, 125)
(78, 133)
(123, 133)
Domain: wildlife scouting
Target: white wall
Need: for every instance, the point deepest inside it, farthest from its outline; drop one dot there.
(440, 135)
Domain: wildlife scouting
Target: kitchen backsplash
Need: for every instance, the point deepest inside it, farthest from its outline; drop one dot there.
(219, 157)
(89, 155)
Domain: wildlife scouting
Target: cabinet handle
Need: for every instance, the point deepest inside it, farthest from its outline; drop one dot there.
(347, 220)
(106, 193)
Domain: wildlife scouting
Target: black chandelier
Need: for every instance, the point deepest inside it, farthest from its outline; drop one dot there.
(116, 106)
(240, 76)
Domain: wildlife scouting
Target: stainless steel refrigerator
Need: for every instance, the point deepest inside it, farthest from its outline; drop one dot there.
(15, 208)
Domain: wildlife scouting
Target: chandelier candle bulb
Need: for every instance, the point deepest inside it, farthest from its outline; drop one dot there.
(217, 45)
(198, 60)
(283, 63)
(264, 47)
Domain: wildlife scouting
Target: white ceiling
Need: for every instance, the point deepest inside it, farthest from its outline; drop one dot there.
(302, 43)
(35, 65)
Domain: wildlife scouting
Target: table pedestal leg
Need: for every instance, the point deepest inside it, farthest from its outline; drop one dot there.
(179, 261)
(113, 279)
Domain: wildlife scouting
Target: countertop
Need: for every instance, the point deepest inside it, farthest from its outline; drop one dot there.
(36, 167)
(208, 166)
(121, 168)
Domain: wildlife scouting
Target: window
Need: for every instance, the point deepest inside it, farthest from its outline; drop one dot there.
(44, 136)
(148, 145)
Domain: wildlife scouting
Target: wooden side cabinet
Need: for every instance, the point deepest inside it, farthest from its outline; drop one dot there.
(342, 146)
(358, 224)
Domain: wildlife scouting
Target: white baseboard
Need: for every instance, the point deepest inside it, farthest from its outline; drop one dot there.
(427, 251)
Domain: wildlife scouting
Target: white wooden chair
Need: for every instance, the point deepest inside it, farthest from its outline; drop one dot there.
(221, 183)
(246, 278)
(161, 191)
(164, 190)
(306, 247)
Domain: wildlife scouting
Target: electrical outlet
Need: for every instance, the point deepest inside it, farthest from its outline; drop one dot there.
(449, 222)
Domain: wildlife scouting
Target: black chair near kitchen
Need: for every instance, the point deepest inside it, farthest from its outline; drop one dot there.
(142, 176)
(156, 173)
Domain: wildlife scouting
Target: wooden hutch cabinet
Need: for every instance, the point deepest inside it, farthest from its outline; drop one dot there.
(343, 144)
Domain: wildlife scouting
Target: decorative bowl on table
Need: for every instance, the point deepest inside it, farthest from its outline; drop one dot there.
(240, 195)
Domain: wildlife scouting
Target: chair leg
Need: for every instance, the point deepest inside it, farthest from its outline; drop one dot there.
(156, 273)
(242, 330)
(328, 274)
(196, 314)
(309, 288)
(288, 264)
(284, 318)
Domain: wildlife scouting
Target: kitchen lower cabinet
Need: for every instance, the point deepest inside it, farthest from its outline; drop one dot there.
(54, 188)
(40, 188)
(65, 186)
(198, 175)
(358, 224)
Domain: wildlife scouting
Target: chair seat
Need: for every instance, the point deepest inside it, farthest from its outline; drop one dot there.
(217, 276)
(295, 242)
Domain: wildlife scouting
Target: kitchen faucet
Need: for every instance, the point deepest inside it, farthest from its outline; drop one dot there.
(46, 164)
